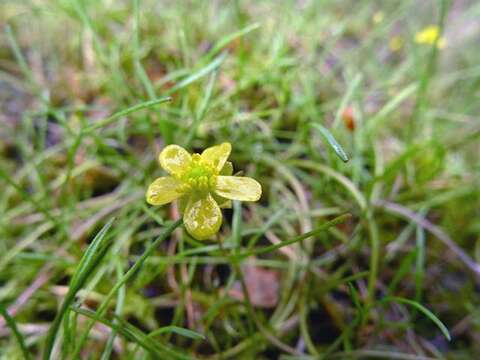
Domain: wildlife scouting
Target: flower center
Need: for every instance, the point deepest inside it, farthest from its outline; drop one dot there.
(199, 176)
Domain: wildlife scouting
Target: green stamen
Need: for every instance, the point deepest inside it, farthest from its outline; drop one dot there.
(199, 177)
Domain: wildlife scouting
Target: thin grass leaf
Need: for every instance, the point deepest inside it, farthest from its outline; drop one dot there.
(203, 249)
(355, 298)
(153, 215)
(332, 142)
(350, 278)
(13, 327)
(420, 262)
(341, 179)
(266, 226)
(92, 257)
(118, 310)
(202, 109)
(28, 198)
(139, 69)
(23, 63)
(377, 354)
(135, 267)
(174, 353)
(422, 309)
(404, 268)
(91, 253)
(179, 331)
(346, 333)
(303, 311)
(347, 98)
(236, 224)
(270, 248)
(200, 73)
(144, 105)
(229, 38)
(15, 251)
(424, 84)
(131, 333)
(374, 237)
(395, 165)
(393, 104)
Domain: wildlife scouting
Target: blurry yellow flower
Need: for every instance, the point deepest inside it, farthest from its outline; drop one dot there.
(442, 43)
(378, 17)
(203, 184)
(430, 35)
(396, 43)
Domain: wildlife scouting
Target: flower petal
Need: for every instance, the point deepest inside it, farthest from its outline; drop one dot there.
(227, 204)
(164, 190)
(174, 159)
(238, 188)
(217, 155)
(202, 217)
(227, 169)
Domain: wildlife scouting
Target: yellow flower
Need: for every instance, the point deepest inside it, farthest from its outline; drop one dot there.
(203, 184)
(396, 43)
(430, 35)
(378, 17)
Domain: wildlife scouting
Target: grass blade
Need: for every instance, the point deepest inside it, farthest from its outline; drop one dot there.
(340, 178)
(270, 248)
(94, 253)
(347, 98)
(202, 110)
(135, 267)
(179, 331)
(390, 106)
(13, 327)
(22, 62)
(332, 142)
(229, 38)
(200, 73)
(118, 115)
(137, 337)
(404, 269)
(107, 353)
(420, 262)
(422, 309)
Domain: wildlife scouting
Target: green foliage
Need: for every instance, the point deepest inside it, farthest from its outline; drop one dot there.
(377, 257)
(13, 327)
(90, 260)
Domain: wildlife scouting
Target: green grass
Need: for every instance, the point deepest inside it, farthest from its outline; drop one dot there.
(365, 243)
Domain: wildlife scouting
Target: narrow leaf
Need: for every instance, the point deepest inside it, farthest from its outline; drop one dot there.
(422, 309)
(177, 330)
(390, 106)
(94, 253)
(120, 114)
(332, 142)
(13, 327)
(142, 341)
(135, 267)
(270, 248)
(200, 73)
(229, 38)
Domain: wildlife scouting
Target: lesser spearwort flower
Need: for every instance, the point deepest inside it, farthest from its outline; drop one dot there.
(431, 35)
(395, 43)
(378, 17)
(203, 183)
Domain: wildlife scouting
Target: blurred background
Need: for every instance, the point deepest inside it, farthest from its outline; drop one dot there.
(295, 86)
